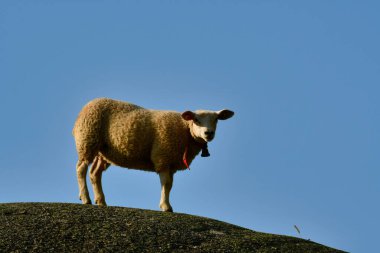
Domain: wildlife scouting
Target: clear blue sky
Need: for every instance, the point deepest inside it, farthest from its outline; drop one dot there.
(302, 76)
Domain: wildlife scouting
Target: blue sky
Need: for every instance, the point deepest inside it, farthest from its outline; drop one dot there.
(302, 76)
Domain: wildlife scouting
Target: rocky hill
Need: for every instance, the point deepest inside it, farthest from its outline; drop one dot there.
(59, 227)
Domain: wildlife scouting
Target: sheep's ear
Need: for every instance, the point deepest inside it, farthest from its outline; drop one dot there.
(225, 114)
(188, 115)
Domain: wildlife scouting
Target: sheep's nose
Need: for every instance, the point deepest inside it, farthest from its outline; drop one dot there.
(209, 133)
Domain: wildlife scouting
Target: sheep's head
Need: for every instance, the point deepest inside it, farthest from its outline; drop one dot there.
(203, 123)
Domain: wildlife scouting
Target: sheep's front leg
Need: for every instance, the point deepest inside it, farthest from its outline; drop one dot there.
(166, 178)
(98, 166)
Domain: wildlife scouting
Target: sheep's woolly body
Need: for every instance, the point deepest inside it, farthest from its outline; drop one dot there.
(114, 132)
(130, 136)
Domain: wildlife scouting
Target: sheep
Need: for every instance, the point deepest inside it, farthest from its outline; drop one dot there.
(114, 132)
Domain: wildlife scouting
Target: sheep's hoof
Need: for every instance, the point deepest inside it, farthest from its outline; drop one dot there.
(87, 201)
(100, 203)
(166, 208)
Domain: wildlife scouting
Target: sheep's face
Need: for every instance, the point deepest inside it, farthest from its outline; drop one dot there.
(203, 123)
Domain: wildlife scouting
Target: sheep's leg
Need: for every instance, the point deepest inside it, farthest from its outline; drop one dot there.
(81, 175)
(96, 171)
(166, 178)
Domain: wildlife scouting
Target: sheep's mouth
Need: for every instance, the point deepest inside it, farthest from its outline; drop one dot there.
(208, 139)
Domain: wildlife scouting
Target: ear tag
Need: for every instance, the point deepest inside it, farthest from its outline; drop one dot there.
(205, 152)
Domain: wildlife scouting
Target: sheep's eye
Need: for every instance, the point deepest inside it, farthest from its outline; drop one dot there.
(196, 121)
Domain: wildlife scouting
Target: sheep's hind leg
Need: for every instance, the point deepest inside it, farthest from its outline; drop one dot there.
(98, 166)
(166, 178)
(82, 167)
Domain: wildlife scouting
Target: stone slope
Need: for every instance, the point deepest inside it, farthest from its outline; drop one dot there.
(61, 227)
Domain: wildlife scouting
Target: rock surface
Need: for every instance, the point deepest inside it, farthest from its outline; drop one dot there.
(60, 227)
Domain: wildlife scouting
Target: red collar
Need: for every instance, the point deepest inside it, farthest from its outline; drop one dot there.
(184, 158)
(205, 153)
